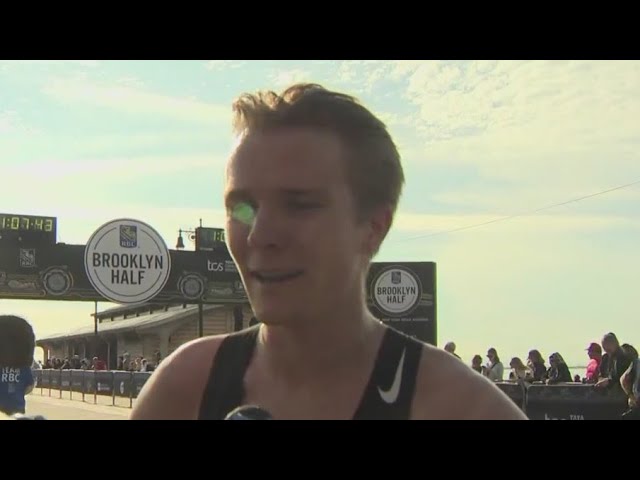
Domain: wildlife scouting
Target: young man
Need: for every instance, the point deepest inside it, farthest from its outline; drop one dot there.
(311, 190)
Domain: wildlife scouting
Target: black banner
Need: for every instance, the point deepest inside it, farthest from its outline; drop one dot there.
(90, 382)
(58, 273)
(515, 391)
(104, 382)
(37, 377)
(45, 378)
(77, 380)
(123, 383)
(139, 379)
(56, 376)
(65, 380)
(574, 402)
(403, 295)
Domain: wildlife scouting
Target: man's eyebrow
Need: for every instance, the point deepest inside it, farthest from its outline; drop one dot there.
(236, 195)
(242, 195)
(298, 192)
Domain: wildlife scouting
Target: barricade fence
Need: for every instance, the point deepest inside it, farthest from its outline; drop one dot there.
(566, 401)
(570, 401)
(83, 383)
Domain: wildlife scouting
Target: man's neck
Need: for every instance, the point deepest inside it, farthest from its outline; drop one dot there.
(321, 346)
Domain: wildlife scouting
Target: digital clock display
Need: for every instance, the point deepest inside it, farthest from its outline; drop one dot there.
(27, 223)
(209, 239)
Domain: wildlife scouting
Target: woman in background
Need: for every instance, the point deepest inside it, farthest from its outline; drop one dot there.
(494, 369)
(536, 364)
(558, 370)
(476, 363)
(17, 346)
(519, 370)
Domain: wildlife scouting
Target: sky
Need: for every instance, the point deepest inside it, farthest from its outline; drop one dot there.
(91, 141)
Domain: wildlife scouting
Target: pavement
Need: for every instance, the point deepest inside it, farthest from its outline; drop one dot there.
(56, 408)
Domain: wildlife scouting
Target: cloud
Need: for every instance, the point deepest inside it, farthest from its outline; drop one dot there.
(220, 65)
(135, 101)
(50, 63)
(286, 78)
(140, 166)
(8, 122)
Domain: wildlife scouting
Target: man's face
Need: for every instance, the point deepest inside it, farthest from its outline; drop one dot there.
(291, 224)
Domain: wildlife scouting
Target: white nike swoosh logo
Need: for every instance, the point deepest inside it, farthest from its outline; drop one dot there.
(391, 395)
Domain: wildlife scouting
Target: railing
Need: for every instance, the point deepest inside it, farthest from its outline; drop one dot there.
(117, 384)
(570, 401)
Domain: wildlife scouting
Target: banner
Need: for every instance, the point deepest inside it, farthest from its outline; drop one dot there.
(403, 295)
(123, 383)
(574, 402)
(104, 382)
(58, 273)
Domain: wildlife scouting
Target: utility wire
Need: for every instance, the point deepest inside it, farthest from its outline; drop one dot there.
(508, 217)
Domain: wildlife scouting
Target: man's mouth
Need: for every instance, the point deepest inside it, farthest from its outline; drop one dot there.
(275, 276)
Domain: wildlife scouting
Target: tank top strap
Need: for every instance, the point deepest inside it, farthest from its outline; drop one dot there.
(224, 390)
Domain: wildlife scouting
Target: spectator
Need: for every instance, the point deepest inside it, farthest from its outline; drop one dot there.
(99, 364)
(593, 367)
(476, 363)
(536, 364)
(630, 383)
(558, 370)
(519, 371)
(614, 362)
(494, 369)
(629, 351)
(451, 348)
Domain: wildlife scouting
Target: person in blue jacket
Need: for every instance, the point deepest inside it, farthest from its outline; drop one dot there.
(17, 345)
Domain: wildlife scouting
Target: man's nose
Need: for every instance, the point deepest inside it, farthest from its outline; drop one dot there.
(267, 230)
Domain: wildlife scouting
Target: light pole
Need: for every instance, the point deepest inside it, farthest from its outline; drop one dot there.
(180, 246)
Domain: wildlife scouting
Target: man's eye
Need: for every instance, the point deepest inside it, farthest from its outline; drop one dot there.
(243, 212)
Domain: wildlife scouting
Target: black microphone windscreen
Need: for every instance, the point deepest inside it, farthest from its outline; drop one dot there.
(248, 412)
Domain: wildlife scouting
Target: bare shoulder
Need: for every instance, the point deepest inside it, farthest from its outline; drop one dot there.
(448, 389)
(174, 390)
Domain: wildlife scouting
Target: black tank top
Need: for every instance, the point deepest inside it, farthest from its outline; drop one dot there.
(388, 394)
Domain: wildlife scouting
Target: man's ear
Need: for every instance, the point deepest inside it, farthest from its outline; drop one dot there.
(378, 224)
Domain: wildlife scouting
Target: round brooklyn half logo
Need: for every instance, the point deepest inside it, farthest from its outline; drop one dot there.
(396, 291)
(127, 261)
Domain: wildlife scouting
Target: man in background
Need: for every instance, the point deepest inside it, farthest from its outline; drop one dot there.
(17, 345)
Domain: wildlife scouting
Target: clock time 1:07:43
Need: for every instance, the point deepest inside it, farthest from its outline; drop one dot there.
(14, 222)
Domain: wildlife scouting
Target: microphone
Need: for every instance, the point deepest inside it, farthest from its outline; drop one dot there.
(20, 416)
(248, 412)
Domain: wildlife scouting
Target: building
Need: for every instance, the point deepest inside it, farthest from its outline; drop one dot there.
(143, 331)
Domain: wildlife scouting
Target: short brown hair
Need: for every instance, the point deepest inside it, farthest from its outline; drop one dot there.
(374, 171)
